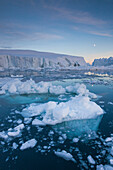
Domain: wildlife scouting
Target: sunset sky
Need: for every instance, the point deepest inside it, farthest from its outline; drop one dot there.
(75, 27)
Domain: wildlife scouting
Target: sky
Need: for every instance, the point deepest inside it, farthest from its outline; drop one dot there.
(74, 27)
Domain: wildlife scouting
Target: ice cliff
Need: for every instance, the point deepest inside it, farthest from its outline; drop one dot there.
(103, 62)
(27, 59)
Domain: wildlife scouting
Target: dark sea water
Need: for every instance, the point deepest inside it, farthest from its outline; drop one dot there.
(91, 134)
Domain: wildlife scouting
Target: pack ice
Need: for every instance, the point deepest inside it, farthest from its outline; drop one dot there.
(16, 86)
(78, 107)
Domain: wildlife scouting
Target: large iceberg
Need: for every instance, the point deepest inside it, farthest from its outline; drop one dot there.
(27, 59)
(79, 107)
(103, 62)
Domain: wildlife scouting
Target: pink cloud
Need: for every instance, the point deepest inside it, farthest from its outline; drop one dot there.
(77, 16)
(100, 33)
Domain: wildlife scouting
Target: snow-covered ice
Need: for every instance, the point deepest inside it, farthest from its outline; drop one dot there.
(16, 131)
(28, 144)
(91, 160)
(3, 135)
(110, 103)
(76, 108)
(108, 139)
(27, 120)
(15, 145)
(75, 140)
(65, 155)
(18, 87)
(38, 122)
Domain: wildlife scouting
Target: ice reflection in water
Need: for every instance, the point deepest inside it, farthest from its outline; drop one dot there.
(76, 128)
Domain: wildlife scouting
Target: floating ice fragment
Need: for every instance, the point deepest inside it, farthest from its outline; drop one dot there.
(108, 167)
(65, 155)
(81, 90)
(64, 136)
(38, 122)
(100, 167)
(75, 140)
(2, 92)
(29, 144)
(16, 131)
(101, 102)
(2, 143)
(50, 133)
(57, 90)
(45, 147)
(33, 110)
(108, 139)
(27, 120)
(91, 160)
(110, 103)
(111, 151)
(111, 161)
(15, 145)
(19, 127)
(10, 120)
(3, 135)
(19, 121)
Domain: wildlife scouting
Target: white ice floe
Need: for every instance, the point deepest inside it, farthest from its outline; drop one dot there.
(65, 155)
(81, 90)
(3, 135)
(91, 160)
(108, 167)
(79, 107)
(27, 120)
(108, 139)
(18, 87)
(38, 122)
(104, 167)
(111, 161)
(15, 145)
(29, 144)
(13, 133)
(111, 151)
(19, 121)
(75, 140)
(57, 90)
(17, 76)
(100, 167)
(16, 131)
(110, 103)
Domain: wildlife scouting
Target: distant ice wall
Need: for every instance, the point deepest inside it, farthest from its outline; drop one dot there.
(103, 62)
(24, 59)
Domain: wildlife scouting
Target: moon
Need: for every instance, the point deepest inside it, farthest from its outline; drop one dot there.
(94, 45)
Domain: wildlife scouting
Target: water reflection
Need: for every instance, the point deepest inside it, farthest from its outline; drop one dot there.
(76, 128)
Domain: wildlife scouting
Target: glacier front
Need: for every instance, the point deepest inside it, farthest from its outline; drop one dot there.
(27, 59)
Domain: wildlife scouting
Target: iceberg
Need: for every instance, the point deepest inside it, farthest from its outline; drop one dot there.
(27, 59)
(103, 62)
(79, 107)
